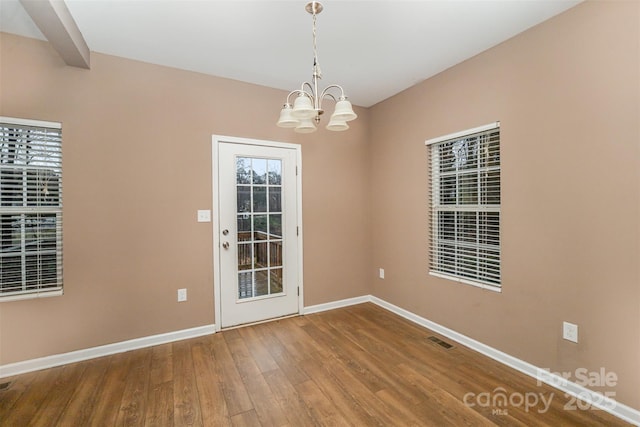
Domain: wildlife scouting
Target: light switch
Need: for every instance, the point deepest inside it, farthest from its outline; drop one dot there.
(570, 332)
(204, 215)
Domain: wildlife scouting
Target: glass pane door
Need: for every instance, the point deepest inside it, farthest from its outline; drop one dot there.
(259, 275)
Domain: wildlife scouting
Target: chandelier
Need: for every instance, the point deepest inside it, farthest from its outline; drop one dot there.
(307, 107)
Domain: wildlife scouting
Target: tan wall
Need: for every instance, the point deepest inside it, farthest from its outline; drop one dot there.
(567, 93)
(137, 166)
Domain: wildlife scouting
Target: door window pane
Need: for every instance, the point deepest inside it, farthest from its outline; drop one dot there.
(243, 170)
(260, 255)
(260, 227)
(245, 257)
(275, 195)
(245, 284)
(276, 280)
(262, 283)
(259, 199)
(244, 227)
(275, 226)
(244, 198)
(259, 171)
(275, 254)
(275, 172)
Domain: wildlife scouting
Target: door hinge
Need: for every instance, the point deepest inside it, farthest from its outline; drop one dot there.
(297, 231)
(296, 171)
(298, 290)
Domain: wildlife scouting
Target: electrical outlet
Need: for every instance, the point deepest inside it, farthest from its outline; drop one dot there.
(381, 273)
(570, 332)
(182, 295)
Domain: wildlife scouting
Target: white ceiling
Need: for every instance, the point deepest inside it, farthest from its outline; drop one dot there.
(374, 49)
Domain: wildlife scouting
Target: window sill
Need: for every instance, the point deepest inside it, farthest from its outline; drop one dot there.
(492, 288)
(34, 295)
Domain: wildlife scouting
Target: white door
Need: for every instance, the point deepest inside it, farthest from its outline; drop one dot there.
(257, 238)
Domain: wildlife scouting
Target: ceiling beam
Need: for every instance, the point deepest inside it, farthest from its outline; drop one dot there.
(56, 23)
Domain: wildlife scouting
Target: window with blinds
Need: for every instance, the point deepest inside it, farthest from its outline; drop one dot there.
(464, 170)
(30, 209)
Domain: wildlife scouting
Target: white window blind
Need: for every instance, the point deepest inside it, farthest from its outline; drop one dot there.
(465, 206)
(30, 208)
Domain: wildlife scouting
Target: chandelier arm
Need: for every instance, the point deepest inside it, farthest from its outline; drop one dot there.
(330, 95)
(325, 92)
(311, 93)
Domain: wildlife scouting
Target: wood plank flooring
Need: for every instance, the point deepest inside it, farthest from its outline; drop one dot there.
(356, 366)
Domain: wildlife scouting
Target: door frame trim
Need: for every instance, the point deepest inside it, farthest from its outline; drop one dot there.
(216, 140)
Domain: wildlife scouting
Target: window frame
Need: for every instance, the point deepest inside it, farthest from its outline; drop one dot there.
(437, 207)
(26, 188)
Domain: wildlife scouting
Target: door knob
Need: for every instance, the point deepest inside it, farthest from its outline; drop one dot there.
(225, 232)
(225, 245)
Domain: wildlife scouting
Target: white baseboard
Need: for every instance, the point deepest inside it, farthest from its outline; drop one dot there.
(103, 350)
(336, 304)
(586, 395)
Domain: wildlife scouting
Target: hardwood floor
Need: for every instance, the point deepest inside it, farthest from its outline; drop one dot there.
(359, 366)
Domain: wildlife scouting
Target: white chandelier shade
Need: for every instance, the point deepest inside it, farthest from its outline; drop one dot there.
(307, 107)
(337, 125)
(303, 108)
(343, 111)
(305, 126)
